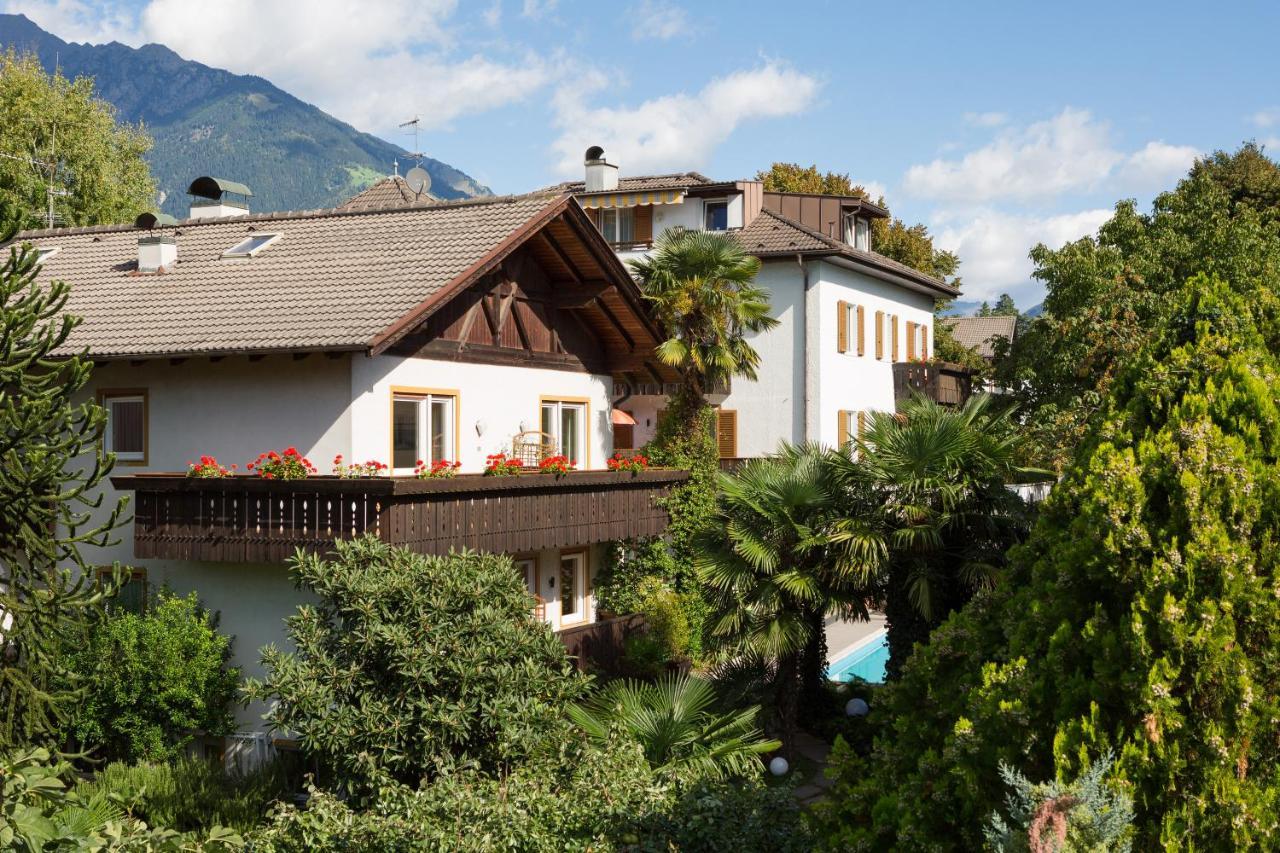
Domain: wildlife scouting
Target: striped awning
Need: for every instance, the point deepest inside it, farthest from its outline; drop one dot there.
(591, 202)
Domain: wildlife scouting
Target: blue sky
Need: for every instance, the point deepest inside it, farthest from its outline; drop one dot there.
(999, 125)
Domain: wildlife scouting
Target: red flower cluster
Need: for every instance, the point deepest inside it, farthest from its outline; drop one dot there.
(498, 465)
(622, 462)
(208, 468)
(441, 469)
(372, 468)
(289, 465)
(558, 465)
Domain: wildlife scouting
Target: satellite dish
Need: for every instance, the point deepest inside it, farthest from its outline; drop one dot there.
(418, 179)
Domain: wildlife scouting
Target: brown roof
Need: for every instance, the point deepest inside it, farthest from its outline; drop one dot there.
(979, 333)
(772, 234)
(673, 181)
(391, 191)
(336, 280)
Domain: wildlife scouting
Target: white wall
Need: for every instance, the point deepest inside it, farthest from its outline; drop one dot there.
(501, 401)
(847, 381)
(687, 214)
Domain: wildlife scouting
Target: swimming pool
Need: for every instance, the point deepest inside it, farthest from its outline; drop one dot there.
(866, 661)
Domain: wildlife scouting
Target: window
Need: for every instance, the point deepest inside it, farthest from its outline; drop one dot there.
(717, 215)
(528, 569)
(618, 226)
(251, 246)
(126, 432)
(573, 587)
(849, 314)
(43, 253)
(132, 595)
(566, 423)
(727, 433)
(857, 232)
(423, 426)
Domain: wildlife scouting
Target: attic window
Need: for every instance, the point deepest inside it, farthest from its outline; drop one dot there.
(251, 246)
(44, 253)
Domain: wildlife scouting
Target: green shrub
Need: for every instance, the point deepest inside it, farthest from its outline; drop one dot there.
(667, 636)
(39, 813)
(153, 680)
(1139, 618)
(411, 666)
(192, 794)
(1085, 816)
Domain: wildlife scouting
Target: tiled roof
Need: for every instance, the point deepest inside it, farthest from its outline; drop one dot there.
(676, 180)
(391, 191)
(978, 333)
(774, 234)
(334, 279)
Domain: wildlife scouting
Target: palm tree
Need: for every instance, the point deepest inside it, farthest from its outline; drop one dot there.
(701, 285)
(677, 726)
(780, 555)
(937, 476)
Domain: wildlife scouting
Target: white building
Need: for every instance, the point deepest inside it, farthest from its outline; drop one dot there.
(432, 332)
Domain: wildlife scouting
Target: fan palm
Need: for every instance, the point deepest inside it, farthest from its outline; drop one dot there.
(939, 478)
(779, 556)
(677, 726)
(701, 285)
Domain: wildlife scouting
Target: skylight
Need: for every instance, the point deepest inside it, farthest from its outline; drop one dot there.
(44, 253)
(251, 246)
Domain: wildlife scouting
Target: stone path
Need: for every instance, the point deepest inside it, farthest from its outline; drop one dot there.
(816, 752)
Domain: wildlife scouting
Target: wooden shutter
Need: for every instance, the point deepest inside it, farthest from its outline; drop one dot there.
(643, 224)
(862, 349)
(911, 341)
(924, 342)
(862, 424)
(879, 334)
(842, 428)
(842, 326)
(893, 337)
(727, 433)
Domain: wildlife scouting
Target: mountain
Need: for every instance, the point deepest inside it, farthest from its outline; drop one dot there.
(206, 121)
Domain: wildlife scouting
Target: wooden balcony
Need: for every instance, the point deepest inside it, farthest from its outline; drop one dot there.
(940, 381)
(600, 646)
(251, 520)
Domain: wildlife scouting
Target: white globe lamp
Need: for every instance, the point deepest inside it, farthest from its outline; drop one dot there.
(856, 707)
(779, 766)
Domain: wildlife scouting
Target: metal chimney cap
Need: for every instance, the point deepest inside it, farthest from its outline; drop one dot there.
(215, 188)
(594, 155)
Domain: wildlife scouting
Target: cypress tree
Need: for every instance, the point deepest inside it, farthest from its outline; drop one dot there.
(1140, 618)
(51, 462)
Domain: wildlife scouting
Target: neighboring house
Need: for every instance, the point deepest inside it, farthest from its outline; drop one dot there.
(847, 314)
(430, 332)
(980, 333)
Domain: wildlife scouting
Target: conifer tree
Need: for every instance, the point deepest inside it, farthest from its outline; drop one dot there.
(51, 462)
(1140, 618)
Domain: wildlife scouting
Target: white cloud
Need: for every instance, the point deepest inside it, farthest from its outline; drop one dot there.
(674, 132)
(1155, 166)
(374, 67)
(493, 15)
(993, 245)
(655, 19)
(538, 8)
(1067, 152)
(1268, 117)
(990, 119)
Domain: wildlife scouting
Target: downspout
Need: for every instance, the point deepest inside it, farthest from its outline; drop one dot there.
(809, 369)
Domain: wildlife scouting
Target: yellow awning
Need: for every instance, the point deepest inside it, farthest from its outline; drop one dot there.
(631, 199)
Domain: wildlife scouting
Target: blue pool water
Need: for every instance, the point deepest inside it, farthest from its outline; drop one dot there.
(867, 662)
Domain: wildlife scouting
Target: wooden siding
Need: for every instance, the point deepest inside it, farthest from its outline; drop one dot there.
(247, 519)
(600, 646)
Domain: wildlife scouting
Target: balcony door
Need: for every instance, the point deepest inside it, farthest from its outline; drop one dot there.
(565, 421)
(572, 581)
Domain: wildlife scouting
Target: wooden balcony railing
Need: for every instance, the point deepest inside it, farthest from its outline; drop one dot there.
(600, 646)
(248, 519)
(940, 381)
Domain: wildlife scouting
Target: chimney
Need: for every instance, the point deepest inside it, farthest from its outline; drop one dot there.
(156, 252)
(601, 175)
(214, 198)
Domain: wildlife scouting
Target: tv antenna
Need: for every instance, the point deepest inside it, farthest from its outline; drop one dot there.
(416, 124)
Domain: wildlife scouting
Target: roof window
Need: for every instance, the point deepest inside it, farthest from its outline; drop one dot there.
(44, 253)
(250, 246)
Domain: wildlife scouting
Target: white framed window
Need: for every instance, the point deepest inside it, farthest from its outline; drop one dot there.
(423, 427)
(251, 246)
(716, 215)
(566, 422)
(126, 431)
(527, 567)
(618, 225)
(573, 588)
(857, 232)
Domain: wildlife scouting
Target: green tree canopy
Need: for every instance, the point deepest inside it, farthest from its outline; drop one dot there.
(56, 133)
(1106, 296)
(1139, 618)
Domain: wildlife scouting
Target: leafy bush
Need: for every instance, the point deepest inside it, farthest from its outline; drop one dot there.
(577, 797)
(411, 666)
(1081, 817)
(1139, 618)
(191, 794)
(37, 813)
(667, 636)
(152, 680)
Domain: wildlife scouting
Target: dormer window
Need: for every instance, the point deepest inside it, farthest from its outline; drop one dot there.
(251, 246)
(717, 215)
(857, 232)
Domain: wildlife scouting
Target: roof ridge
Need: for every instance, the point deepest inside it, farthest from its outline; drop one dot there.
(281, 215)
